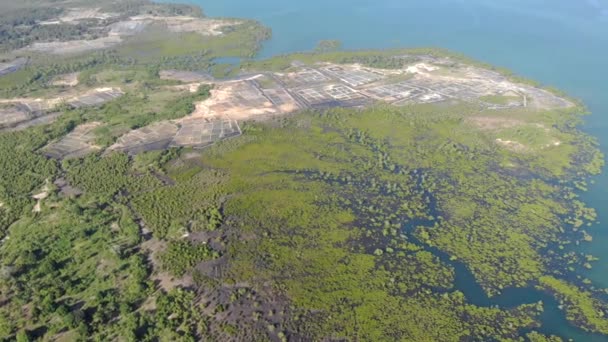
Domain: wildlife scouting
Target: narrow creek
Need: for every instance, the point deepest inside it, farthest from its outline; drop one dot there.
(553, 320)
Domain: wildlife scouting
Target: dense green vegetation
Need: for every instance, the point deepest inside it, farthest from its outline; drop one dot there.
(446, 192)
(181, 256)
(338, 211)
(335, 213)
(106, 176)
(173, 211)
(24, 170)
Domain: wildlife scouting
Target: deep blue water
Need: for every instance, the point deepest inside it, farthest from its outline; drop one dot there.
(563, 43)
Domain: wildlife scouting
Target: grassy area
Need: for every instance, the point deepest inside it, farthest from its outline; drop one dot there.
(500, 99)
(242, 41)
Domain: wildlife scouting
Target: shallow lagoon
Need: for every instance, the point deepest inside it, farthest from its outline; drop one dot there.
(562, 43)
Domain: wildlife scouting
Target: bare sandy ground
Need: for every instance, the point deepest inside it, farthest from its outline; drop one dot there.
(493, 123)
(77, 143)
(74, 15)
(118, 31)
(39, 197)
(38, 104)
(74, 46)
(67, 80)
(204, 26)
(512, 145)
(240, 101)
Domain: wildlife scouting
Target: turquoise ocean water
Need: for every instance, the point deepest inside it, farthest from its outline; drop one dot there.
(562, 43)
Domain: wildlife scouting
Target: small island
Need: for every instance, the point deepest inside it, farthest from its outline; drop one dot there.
(160, 184)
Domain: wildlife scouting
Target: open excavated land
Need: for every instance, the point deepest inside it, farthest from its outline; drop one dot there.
(74, 46)
(116, 32)
(13, 114)
(180, 24)
(77, 143)
(266, 95)
(12, 66)
(20, 113)
(200, 132)
(156, 136)
(77, 15)
(329, 85)
(246, 100)
(67, 80)
(185, 76)
(194, 132)
(95, 97)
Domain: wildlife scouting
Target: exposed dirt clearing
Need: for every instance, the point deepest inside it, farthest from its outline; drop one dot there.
(74, 46)
(74, 15)
(90, 97)
(241, 101)
(203, 26)
(185, 76)
(420, 68)
(67, 80)
(494, 123)
(77, 143)
(39, 197)
(512, 145)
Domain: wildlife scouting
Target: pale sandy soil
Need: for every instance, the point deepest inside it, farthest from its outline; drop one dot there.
(67, 80)
(420, 68)
(117, 31)
(74, 15)
(493, 123)
(39, 197)
(48, 103)
(223, 102)
(74, 46)
(204, 26)
(190, 87)
(512, 145)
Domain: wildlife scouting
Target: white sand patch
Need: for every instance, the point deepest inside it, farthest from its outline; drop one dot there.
(75, 15)
(431, 97)
(41, 196)
(420, 68)
(554, 143)
(74, 46)
(67, 80)
(511, 144)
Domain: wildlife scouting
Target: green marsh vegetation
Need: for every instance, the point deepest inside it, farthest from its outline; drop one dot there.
(338, 212)
(387, 171)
